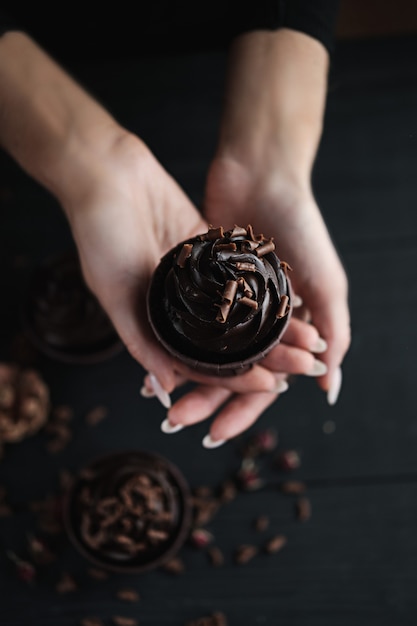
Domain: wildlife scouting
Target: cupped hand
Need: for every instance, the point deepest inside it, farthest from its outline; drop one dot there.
(292, 217)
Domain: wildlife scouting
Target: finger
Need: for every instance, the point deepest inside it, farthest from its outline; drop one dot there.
(237, 416)
(303, 335)
(148, 391)
(293, 360)
(258, 378)
(197, 405)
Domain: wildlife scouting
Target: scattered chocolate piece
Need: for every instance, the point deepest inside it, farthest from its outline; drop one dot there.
(184, 254)
(248, 476)
(25, 571)
(118, 620)
(263, 249)
(262, 442)
(275, 544)
(245, 553)
(66, 584)
(216, 619)
(91, 621)
(228, 491)
(204, 509)
(174, 566)
(97, 574)
(200, 538)
(303, 509)
(128, 595)
(39, 551)
(215, 556)
(294, 487)
(63, 413)
(261, 523)
(203, 491)
(96, 415)
(289, 460)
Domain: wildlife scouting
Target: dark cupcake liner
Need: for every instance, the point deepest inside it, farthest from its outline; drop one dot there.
(140, 564)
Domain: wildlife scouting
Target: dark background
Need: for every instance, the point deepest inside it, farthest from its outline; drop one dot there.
(354, 562)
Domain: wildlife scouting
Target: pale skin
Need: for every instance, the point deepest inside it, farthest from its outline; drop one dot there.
(126, 211)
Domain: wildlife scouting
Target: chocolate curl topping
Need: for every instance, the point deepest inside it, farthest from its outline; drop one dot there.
(226, 247)
(286, 267)
(243, 285)
(283, 306)
(257, 238)
(238, 231)
(184, 254)
(251, 303)
(227, 301)
(251, 245)
(269, 246)
(230, 291)
(246, 267)
(215, 233)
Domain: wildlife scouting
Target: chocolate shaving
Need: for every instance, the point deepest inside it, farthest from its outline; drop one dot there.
(243, 285)
(174, 566)
(245, 267)
(248, 302)
(251, 245)
(256, 238)
(267, 247)
(245, 553)
(226, 247)
(223, 314)
(285, 267)
(275, 544)
(229, 292)
(261, 523)
(215, 233)
(283, 307)
(238, 231)
(184, 254)
(119, 620)
(293, 487)
(303, 509)
(128, 595)
(96, 415)
(215, 556)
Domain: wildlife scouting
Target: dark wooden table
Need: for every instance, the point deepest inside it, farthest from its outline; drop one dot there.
(355, 561)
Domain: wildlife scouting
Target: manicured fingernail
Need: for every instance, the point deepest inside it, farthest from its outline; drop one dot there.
(319, 368)
(147, 393)
(319, 346)
(335, 386)
(281, 386)
(170, 429)
(297, 301)
(161, 394)
(208, 442)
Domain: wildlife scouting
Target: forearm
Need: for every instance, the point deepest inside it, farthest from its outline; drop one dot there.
(275, 100)
(48, 123)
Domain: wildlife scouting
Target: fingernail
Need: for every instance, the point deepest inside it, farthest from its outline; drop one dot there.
(208, 442)
(319, 369)
(170, 429)
(161, 394)
(297, 301)
(335, 386)
(319, 346)
(147, 393)
(281, 386)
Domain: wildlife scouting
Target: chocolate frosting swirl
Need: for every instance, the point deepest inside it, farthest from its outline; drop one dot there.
(225, 295)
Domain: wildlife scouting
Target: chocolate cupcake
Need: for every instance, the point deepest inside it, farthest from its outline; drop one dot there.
(220, 301)
(129, 512)
(63, 318)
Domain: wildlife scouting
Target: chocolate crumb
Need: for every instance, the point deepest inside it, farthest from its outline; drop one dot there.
(174, 566)
(289, 460)
(275, 544)
(63, 413)
(303, 509)
(96, 415)
(293, 487)
(261, 523)
(97, 574)
(228, 491)
(91, 621)
(118, 620)
(245, 553)
(66, 584)
(128, 595)
(215, 556)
